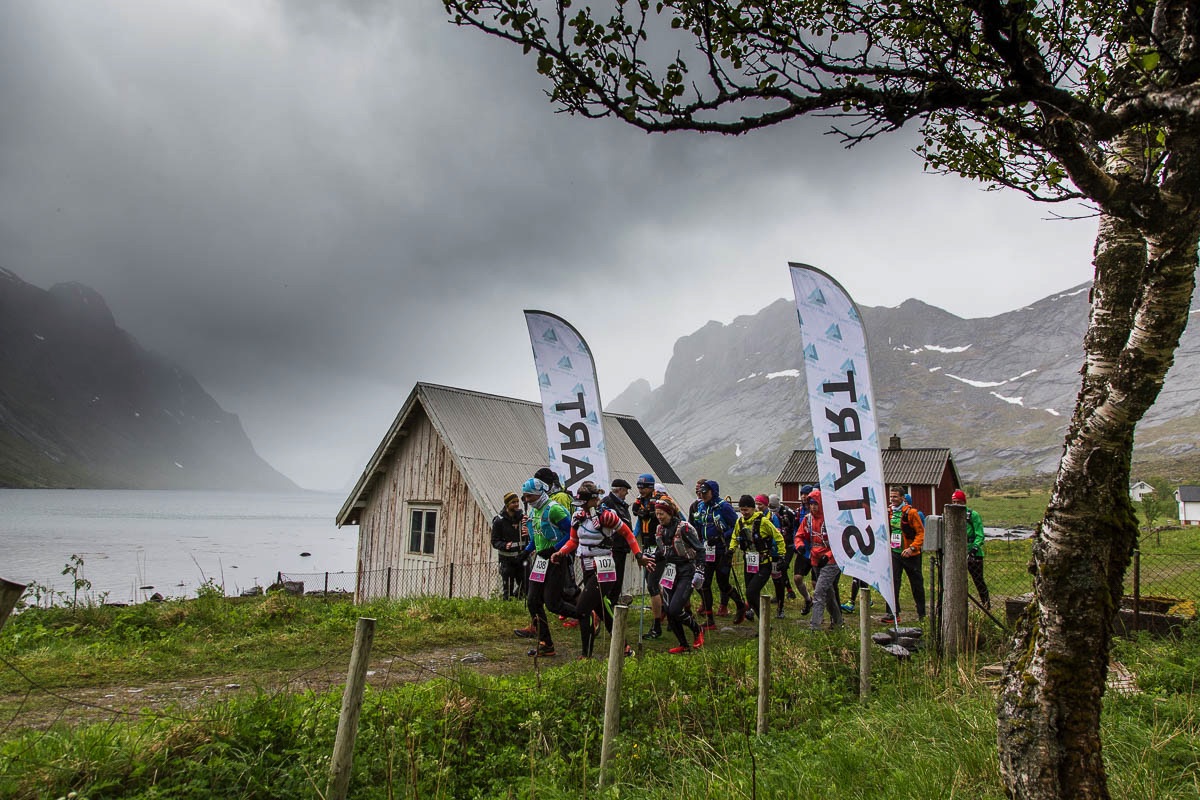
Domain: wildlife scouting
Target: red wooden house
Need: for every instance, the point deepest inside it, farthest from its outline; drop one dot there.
(927, 473)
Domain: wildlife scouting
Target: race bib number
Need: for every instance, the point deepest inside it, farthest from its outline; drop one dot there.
(538, 573)
(710, 553)
(606, 569)
(752, 562)
(668, 577)
(897, 540)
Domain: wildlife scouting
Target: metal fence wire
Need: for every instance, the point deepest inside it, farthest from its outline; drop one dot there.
(478, 579)
(1162, 590)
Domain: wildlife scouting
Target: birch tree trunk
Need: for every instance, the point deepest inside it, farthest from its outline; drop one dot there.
(1050, 704)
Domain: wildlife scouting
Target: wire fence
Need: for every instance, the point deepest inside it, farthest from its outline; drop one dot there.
(1162, 588)
(476, 579)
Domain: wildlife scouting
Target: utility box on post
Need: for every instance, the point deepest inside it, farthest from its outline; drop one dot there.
(933, 533)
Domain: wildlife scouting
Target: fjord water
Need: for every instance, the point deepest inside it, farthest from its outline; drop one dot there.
(170, 540)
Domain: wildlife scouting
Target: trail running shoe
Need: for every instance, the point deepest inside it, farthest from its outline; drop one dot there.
(628, 651)
(570, 623)
(779, 614)
(683, 648)
(807, 607)
(708, 626)
(543, 650)
(890, 620)
(723, 611)
(526, 633)
(848, 608)
(741, 616)
(653, 633)
(699, 642)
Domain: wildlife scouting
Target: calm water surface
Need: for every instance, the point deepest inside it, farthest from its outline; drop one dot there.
(171, 541)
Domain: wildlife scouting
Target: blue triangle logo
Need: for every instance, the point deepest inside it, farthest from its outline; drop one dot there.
(834, 333)
(848, 365)
(592, 418)
(550, 335)
(810, 353)
(565, 363)
(873, 439)
(846, 518)
(543, 379)
(816, 298)
(863, 405)
(578, 389)
(817, 447)
(853, 315)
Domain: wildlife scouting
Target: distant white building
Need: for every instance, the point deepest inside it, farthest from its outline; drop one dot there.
(1140, 490)
(1188, 498)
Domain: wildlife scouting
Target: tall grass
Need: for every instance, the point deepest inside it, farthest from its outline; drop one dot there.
(687, 730)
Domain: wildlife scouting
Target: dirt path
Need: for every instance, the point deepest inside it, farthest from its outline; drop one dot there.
(39, 709)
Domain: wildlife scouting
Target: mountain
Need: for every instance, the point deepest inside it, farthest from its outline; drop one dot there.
(998, 391)
(82, 405)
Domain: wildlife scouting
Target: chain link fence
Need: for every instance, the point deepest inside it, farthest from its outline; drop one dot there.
(1162, 587)
(478, 579)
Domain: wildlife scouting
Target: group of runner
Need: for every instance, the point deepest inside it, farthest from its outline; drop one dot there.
(543, 530)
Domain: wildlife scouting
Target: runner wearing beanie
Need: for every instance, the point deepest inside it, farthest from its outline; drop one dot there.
(762, 548)
(713, 519)
(682, 555)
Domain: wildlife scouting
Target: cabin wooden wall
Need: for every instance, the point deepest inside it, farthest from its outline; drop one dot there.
(422, 473)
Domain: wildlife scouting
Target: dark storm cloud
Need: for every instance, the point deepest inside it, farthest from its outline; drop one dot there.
(310, 205)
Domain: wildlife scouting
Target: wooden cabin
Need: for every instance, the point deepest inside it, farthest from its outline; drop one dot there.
(425, 502)
(928, 474)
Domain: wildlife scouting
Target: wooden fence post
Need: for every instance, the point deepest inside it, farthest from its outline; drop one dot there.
(1137, 590)
(343, 746)
(864, 643)
(10, 593)
(954, 579)
(612, 690)
(764, 661)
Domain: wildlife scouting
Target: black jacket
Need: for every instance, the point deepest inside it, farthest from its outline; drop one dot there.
(622, 510)
(506, 529)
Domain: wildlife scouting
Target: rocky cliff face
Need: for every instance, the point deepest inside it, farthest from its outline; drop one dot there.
(83, 405)
(998, 391)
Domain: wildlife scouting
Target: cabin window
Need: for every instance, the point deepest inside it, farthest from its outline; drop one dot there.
(422, 530)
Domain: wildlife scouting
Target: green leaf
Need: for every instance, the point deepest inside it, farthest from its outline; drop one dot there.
(1150, 61)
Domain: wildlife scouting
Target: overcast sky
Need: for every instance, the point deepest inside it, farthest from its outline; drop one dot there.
(313, 205)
